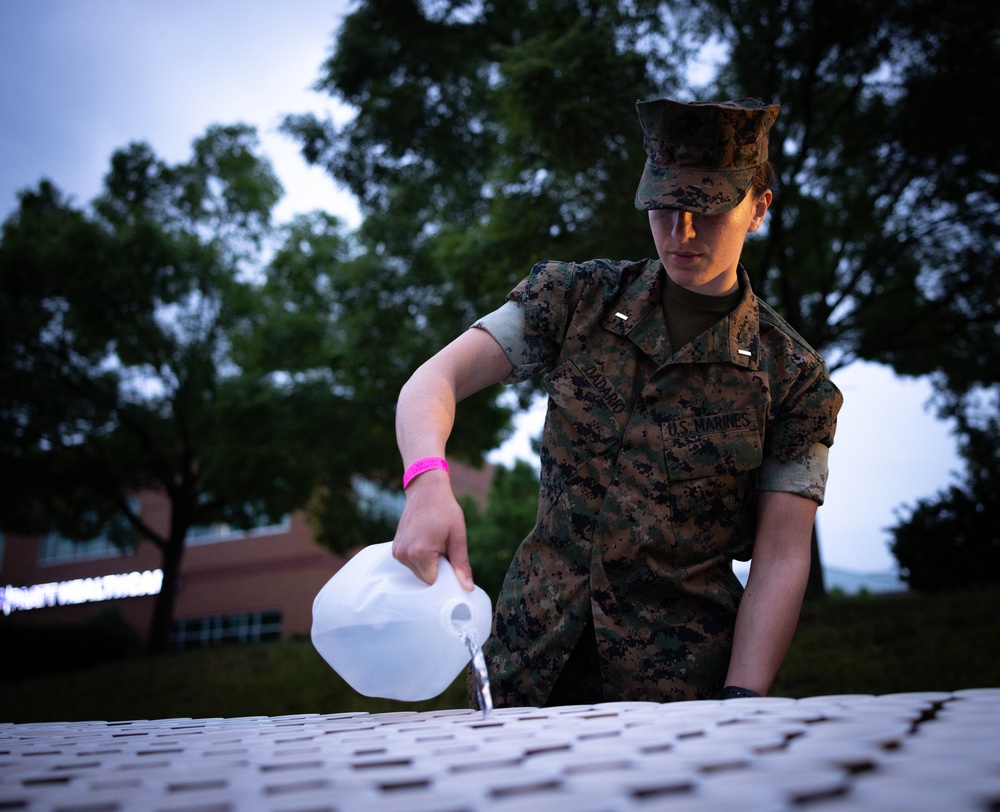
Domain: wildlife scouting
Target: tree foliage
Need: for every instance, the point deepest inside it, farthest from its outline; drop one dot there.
(116, 374)
(952, 541)
(167, 338)
(489, 135)
(886, 224)
(887, 207)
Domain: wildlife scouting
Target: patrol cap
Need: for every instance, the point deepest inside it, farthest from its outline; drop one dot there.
(701, 156)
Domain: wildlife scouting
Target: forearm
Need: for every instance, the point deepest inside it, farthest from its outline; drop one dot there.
(432, 523)
(769, 609)
(425, 410)
(765, 625)
(425, 415)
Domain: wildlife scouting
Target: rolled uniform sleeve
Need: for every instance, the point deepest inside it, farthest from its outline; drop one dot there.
(532, 322)
(548, 295)
(506, 325)
(805, 475)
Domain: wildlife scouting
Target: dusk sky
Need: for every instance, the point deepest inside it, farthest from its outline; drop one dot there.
(79, 80)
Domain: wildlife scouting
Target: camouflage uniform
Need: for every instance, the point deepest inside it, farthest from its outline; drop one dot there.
(648, 480)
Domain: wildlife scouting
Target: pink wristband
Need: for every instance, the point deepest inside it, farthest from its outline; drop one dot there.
(422, 467)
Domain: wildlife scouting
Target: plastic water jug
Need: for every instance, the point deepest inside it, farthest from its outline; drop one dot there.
(390, 634)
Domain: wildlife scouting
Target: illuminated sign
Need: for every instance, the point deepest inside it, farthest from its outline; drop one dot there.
(81, 590)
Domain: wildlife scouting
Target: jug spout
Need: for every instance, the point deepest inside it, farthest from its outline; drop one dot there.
(456, 614)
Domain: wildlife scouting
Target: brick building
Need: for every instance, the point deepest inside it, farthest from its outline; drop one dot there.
(235, 586)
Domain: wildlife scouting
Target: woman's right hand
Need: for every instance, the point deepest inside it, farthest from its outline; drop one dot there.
(432, 525)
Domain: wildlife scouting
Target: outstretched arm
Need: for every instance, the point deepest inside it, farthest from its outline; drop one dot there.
(769, 610)
(432, 523)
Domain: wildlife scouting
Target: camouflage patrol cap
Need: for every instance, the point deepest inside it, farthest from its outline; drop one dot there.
(701, 156)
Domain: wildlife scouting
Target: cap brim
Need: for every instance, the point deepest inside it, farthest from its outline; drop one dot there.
(696, 190)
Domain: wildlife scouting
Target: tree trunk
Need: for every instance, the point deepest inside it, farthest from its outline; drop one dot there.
(815, 587)
(163, 610)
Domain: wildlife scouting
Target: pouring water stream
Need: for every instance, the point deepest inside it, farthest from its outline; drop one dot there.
(483, 693)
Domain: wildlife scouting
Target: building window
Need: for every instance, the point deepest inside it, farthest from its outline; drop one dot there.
(220, 630)
(56, 549)
(222, 531)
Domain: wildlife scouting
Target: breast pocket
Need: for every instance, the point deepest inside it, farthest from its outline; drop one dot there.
(582, 424)
(711, 464)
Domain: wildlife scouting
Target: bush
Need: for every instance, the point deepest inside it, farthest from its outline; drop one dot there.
(46, 649)
(951, 543)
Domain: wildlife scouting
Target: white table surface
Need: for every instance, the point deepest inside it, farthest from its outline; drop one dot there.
(913, 751)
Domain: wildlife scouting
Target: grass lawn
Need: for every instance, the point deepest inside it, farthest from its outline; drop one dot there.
(874, 644)
(893, 643)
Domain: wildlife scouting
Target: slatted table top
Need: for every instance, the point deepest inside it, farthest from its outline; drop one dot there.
(913, 751)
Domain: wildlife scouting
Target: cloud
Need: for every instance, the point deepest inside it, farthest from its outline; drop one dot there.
(81, 80)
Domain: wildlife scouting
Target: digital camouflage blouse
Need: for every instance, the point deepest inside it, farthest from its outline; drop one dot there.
(649, 464)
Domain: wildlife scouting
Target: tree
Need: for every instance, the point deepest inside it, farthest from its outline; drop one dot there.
(349, 325)
(887, 205)
(952, 541)
(127, 362)
(490, 135)
(170, 339)
(887, 209)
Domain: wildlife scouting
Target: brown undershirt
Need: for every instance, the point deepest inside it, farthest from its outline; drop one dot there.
(690, 314)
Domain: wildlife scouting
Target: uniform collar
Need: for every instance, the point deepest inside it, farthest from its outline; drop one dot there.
(638, 315)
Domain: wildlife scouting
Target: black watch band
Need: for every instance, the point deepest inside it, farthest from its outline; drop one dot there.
(735, 692)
